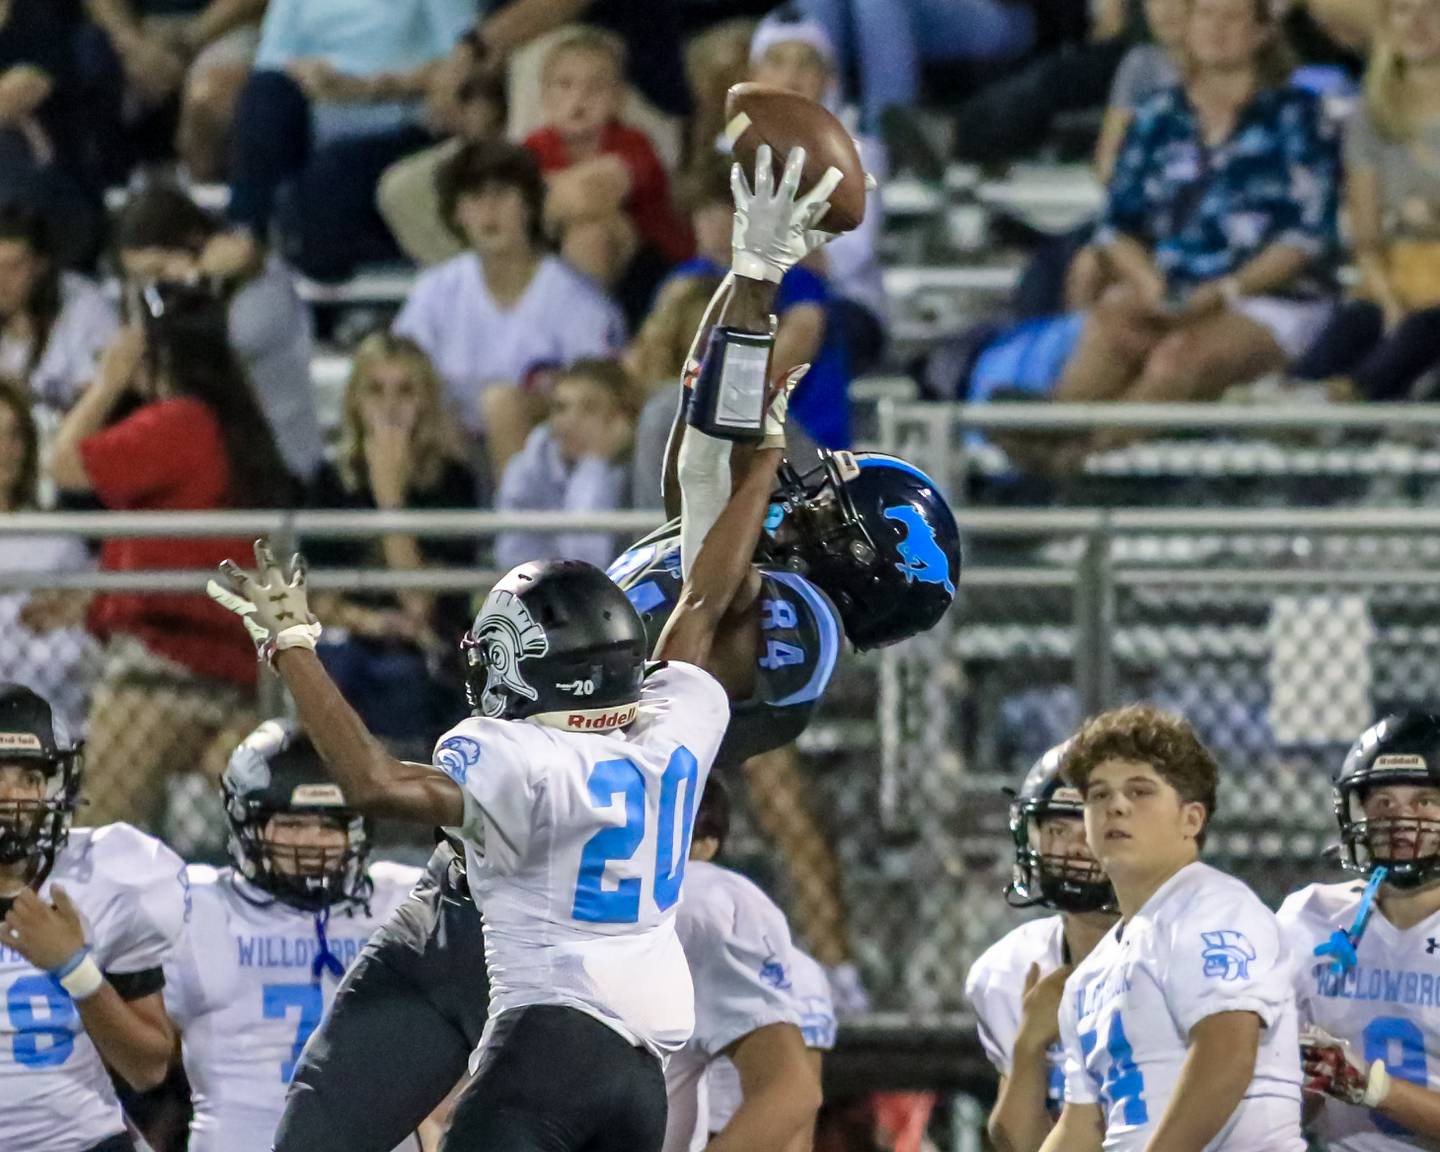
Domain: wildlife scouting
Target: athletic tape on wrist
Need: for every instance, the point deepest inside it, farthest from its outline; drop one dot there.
(80, 976)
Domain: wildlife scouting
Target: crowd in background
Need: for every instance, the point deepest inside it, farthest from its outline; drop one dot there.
(551, 168)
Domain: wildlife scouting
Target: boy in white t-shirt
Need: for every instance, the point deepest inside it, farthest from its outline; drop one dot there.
(1179, 1028)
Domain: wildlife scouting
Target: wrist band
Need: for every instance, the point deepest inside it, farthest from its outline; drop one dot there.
(728, 398)
(1377, 1085)
(80, 976)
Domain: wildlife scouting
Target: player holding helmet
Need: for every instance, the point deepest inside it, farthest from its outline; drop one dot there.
(1016, 983)
(91, 915)
(1371, 1050)
(271, 936)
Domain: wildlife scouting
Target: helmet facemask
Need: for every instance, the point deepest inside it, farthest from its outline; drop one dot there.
(819, 516)
(1064, 881)
(307, 877)
(36, 828)
(1407, 846)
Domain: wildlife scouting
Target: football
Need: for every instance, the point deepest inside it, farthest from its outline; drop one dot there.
(758, 114)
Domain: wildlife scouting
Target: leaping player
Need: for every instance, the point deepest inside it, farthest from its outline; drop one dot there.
(580, 773)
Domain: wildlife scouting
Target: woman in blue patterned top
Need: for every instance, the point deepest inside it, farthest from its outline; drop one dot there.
(1220, 226)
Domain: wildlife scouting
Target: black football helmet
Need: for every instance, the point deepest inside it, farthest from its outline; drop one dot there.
(557, 641)
(276, 771)
(1065, 883)
(1401, 749)
(875, 535)
(30, 737)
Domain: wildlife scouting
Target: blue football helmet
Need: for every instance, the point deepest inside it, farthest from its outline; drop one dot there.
(875, 535)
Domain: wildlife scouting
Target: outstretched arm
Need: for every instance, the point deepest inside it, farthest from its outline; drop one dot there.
(721, 516)
(276, 613)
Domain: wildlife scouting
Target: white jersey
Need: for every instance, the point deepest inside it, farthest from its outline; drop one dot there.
(476, 343)
(584, 842)
(246, 987)
(1379, 1005)
(1202, 944)
(810, 988)
(55, 1095)
(995, 987)
(741, 957)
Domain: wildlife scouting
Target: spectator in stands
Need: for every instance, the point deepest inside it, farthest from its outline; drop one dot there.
(336, 98)
(1220, 227)
(655, 360)
(409, 195)
(163, 235)
(888, 40)
(492, 317)
(577, 461)
(151, 63)
(394, 454)
(607, 198)
(41, 158)
(43, 643)
(1378, 347)
(651, 33)
(53, 325)
(799, 55)
(170, 423)
(1147, 70)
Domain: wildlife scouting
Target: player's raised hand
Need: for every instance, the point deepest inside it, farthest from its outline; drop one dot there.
(1040, 1007)
(273, 606)
(1332, 1069)
(775, 226)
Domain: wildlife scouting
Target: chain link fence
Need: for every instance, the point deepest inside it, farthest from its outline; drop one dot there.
(1279, 634)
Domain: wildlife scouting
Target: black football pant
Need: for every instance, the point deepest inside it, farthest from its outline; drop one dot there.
(553, 1079)
(404, 1022)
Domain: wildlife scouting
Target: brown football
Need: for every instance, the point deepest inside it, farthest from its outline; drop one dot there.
(758, 114)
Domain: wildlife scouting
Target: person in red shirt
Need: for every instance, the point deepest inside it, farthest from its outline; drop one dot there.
(608, 198)
(176, 684)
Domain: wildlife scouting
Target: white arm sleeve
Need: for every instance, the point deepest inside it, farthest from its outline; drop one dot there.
(704, 472)
(1226, 956)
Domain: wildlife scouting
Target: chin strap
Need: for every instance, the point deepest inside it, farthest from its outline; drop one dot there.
(325, 960)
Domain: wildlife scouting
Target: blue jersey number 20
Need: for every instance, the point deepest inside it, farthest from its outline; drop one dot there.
(609, 779)
(309, 999)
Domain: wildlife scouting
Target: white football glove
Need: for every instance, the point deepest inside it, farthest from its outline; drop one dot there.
(773, 230)
(274, 609)
(1332, 1069)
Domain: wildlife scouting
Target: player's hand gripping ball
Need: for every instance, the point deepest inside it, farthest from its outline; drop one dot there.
(762, 114)
(274, 607)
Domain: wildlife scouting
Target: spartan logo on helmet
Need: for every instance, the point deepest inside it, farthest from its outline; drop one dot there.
(505, 635)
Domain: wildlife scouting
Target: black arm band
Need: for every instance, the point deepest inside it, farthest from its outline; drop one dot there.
(137, 985)
(728, 399)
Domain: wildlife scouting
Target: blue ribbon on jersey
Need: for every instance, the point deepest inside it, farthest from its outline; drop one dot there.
(325, 960)
(1342, 944)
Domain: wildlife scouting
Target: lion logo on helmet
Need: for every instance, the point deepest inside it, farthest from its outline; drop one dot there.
(1227, 954)
(506, 635)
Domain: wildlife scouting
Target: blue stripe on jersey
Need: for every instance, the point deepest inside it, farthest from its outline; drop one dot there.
(829, 637)
(897, 464)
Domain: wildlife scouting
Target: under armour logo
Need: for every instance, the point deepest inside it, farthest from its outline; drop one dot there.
(1432, 946)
